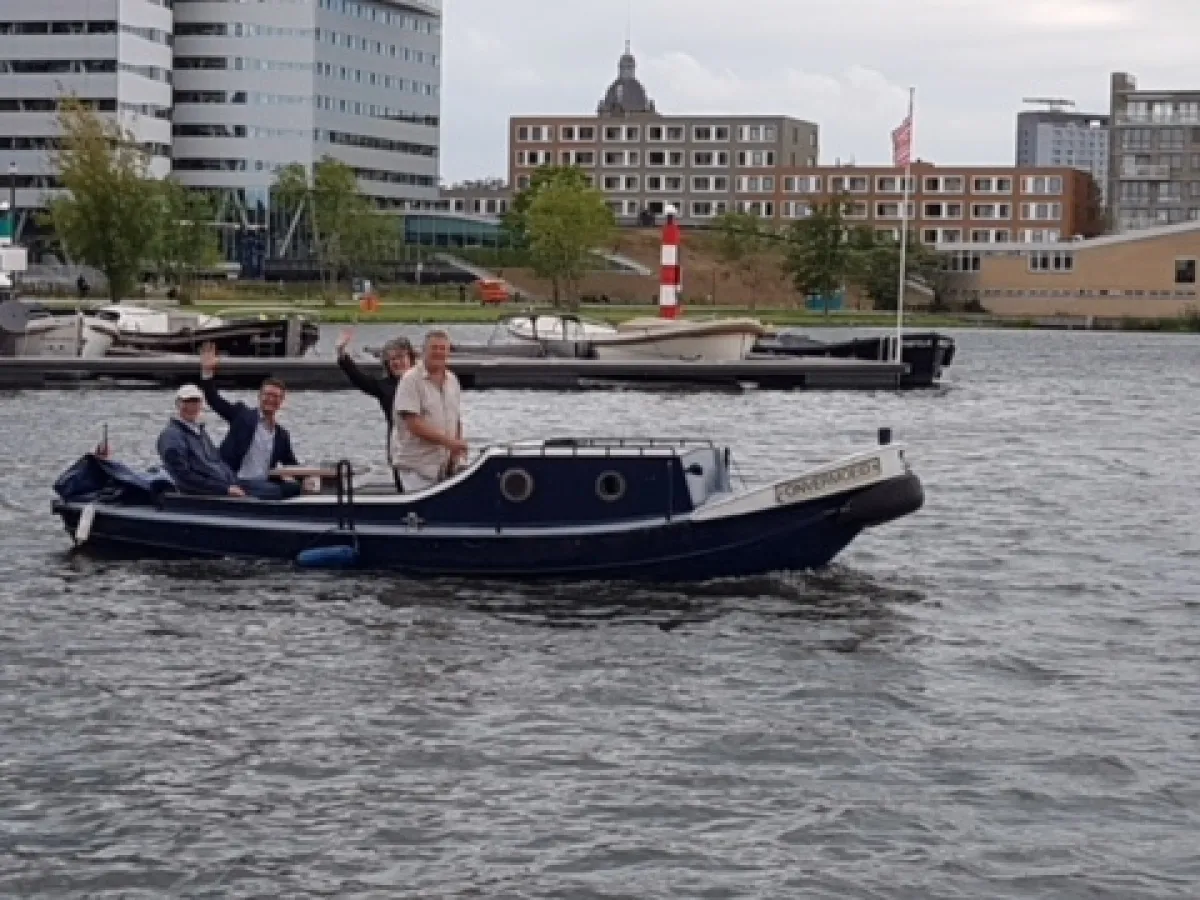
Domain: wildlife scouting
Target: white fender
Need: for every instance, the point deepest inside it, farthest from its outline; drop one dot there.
(84, 529)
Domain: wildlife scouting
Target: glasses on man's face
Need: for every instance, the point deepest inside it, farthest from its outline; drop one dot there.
(272, 395)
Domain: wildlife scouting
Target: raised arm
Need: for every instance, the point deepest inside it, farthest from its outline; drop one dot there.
(357, 376)
(208, 367)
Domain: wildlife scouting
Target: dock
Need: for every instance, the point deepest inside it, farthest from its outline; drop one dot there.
(474, 373)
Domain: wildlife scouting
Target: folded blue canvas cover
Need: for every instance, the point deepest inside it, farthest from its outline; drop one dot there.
(92, 478)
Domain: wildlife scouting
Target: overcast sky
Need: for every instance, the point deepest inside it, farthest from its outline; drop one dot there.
(845, 64)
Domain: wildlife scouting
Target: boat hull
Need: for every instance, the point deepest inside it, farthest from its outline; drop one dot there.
(784, 539)
(720, 340)
(72, 337)
(278, 338)
(563, 509)
(927, 355)
(714, 347)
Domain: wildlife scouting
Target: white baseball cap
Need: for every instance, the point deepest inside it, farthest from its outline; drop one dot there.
(189, 392)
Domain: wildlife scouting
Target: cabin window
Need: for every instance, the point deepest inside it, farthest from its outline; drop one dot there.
(1185, 271)
(516, 485)
(610, 486)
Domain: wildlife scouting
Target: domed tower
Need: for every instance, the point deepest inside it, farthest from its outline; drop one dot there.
(626, 94)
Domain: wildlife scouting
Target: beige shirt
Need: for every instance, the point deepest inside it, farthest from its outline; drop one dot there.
(438, 406)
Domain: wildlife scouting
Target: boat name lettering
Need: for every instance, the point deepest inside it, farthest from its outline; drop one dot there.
(800, 488)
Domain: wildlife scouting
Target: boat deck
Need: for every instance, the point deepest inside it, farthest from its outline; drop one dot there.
(474, 372)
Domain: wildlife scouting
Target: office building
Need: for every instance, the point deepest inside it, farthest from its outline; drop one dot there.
(259, 86)
(248, 88)
(115, 54)
(644, 161)
(1154, 148)
(1059, 138)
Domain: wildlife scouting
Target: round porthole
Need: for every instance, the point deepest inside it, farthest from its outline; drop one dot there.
(610, 486)
(516, 485)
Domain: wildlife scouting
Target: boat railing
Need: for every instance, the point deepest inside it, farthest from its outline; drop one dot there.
(641, 446)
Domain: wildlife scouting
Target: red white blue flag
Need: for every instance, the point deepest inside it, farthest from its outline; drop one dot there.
(902, 143)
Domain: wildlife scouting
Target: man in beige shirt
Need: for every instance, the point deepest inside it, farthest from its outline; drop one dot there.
(427, 435)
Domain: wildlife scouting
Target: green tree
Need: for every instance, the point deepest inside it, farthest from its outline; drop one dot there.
(878, 267)
(820, 255)
(516, 220)
(346, 230)
(564, 222)
(743, 240)
(187, 238)
(739, 235)
(111, 214)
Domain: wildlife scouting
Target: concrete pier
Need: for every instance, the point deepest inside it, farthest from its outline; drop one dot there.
(475, 373)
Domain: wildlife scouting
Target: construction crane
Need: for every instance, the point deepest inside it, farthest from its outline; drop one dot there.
(1057, 104)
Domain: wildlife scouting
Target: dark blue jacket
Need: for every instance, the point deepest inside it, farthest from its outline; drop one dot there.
(193, 461)
(243, 422)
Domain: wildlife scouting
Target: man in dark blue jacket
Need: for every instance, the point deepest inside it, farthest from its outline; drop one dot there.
(255, 443)
(194, 463)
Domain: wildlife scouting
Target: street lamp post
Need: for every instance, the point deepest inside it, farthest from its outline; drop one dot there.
(12, 217)
(12, 201)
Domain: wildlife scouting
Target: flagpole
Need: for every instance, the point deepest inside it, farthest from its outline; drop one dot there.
(904, 230)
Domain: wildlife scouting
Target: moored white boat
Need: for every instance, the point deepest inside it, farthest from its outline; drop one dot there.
(714, 340)
(185, 331)
(33, 331)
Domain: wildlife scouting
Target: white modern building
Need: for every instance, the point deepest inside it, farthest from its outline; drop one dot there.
(114, 53)
(224, 93)
(1059, 138)
(262, 85)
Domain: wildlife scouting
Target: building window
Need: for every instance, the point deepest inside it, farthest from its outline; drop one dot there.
(942, 211)
(1059, 261)
(991, 211)
(805, 184)
(1185, 271)
(1041, 211)
(963, 261)
(1052, 184)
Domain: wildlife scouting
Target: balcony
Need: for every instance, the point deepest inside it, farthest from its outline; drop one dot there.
(1146, 173)
(1152, 121)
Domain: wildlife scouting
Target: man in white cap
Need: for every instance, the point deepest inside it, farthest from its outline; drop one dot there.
(194, 463)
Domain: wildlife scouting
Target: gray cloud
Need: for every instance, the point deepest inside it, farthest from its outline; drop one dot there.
(845, 64)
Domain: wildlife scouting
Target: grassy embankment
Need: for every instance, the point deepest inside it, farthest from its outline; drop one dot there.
(425, 305)
(429, 305)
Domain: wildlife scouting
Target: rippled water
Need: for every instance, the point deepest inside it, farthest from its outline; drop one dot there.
(993, 698)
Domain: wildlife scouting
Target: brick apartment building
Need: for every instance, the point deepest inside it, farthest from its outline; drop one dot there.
(705, 166)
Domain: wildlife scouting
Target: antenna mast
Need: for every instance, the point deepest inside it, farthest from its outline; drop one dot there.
(1056, 104)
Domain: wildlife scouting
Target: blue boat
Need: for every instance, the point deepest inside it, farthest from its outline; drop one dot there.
(567, 509)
